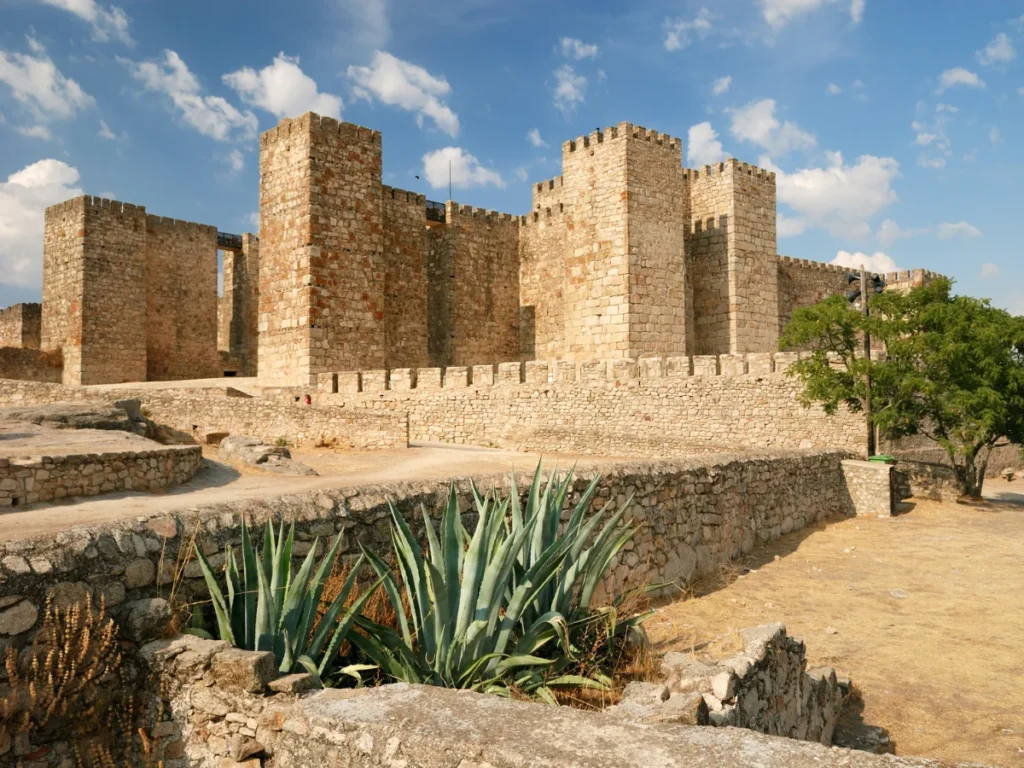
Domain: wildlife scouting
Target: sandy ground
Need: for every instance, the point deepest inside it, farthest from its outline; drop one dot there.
(924, 611)
(219, 482)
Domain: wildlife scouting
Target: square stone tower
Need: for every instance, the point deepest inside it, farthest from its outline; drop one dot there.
(94, 289)
(603, 254)
(732, 261)
(321, 296)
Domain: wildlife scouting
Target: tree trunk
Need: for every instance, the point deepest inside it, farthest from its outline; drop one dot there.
(970, 476)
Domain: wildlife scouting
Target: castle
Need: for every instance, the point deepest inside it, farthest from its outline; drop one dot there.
(627, 254)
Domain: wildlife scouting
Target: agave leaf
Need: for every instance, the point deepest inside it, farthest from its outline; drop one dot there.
(282, 571)
(544, 694)
(353, 670)
(524, 660)
(472, 571)
(598, 566)
(546, 627)
(451, 547)
(313, 593)
(235, 601)
(576, 681)
(344, 627)
(408, 550)
(296, 598)
(269, 550)
(397, 665)
(391, 589)
(251, 585)
(220, 608)
(266, 617)
(310, 666)
(331, 614)
(442, 622)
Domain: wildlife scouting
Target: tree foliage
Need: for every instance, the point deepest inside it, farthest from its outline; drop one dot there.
(952, 370)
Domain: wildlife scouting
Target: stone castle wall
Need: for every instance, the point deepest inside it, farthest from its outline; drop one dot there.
(542, 242)
(31, 364)
(406, 251)
(654, 407)
(181, 300)
(238, 308)
(21, 326)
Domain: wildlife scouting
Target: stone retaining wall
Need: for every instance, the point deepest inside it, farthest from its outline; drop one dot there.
(766, 688)
(871, 487)
(48, 478)
(695, 514)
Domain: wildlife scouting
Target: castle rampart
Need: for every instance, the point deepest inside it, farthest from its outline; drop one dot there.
(21, 326)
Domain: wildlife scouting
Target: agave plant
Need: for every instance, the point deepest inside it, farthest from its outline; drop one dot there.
(266, 607)
(497, 608)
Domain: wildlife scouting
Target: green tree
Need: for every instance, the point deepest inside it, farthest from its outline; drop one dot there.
(953, 370)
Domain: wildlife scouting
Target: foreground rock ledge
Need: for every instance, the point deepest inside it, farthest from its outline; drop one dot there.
(408, 726)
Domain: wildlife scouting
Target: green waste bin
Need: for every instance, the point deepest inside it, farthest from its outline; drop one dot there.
(883, 459)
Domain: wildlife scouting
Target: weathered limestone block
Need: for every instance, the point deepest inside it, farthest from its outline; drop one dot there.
(402, 379)
(565, 372)
(510, 373)
(651, 368)
(483, 375)
(760, 363)
(705, 365)
(428, 378)
(593, 370)
(456, 377)
(622, 370)
(733, 365)
(678, 367)
(783, 360)
(536, 372)
(236, 670)
(375, 381)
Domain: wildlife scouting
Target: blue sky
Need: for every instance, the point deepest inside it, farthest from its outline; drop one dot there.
(894, 127)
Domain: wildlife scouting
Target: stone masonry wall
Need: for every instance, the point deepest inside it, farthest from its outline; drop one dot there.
(181, 300)
(658, 205)
(696, 514)
(31, 364)
(483, 283)
(322, 262)
(659, 407)
(48, 478)
(94, 294)
(542, 277)
(871, 487)
(20, 326)
(711, 210)
(804, 283)
(238, 308)
(405, 278)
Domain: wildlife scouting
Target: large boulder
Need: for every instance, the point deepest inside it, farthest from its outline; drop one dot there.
(85, 414)
(256, 453)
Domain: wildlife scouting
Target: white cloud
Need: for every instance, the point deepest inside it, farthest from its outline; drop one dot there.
(834, 89)
(577, 49)
(235, 161)
(890, 232)
(721, 85)
(778, 13)
(841, 198)
(960, 229)
(946, 108)
(105, 132)
(106, 23)
(878, 262)
(937, 163)
(570, 89)
(995, 137)
(23, 199)
(533, 136)
(757, 124)
(999, 51)
(408, 86)
(788, 227)
(37, 83)
(283, 89)
(989, 270)
(704, 148)
(210, 115)
(958, 76)
(522, 174)
(367, 21)
(466, 170)
(35, 132)
(678, 32)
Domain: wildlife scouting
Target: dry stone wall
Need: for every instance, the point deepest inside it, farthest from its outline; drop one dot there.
(181, 300)
(21, 326)
(50, 478)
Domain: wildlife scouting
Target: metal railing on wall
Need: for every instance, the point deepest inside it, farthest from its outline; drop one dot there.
(435, 211)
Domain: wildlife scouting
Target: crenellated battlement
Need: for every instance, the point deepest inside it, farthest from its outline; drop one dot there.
(647, 371)
(403, 195)
(314, 122)
(547, 215)
(458, 209)
(728, 167)
(83, 202)
(154, 222)
(623, 131)
(809, 264)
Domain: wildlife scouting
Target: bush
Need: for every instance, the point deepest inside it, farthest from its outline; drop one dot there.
(508, 607)
(267, 608)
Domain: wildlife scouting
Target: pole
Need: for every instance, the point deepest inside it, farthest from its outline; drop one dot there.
(864, 301)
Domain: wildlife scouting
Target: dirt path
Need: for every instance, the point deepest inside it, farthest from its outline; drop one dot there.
(218, 482)
(924, 611)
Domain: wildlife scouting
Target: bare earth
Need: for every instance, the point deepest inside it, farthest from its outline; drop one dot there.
(219, 482)
(927, 610)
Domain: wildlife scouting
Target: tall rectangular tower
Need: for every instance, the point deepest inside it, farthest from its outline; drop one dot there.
(732, 260)
(603, 256)
(321, 250)
(94, 289)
